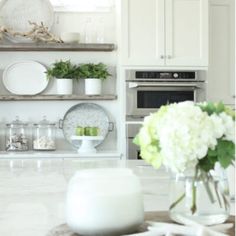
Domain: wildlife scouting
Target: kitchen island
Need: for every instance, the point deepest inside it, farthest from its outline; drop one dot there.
(32, 192)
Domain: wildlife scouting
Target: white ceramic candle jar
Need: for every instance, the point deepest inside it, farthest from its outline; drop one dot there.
(104, 202)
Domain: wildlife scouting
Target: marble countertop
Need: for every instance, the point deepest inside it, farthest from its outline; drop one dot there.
(32, 192)
(59, 154)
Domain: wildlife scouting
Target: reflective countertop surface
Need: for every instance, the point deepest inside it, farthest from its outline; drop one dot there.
(32, 192)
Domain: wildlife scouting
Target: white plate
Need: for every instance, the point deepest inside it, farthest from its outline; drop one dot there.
(25, 78)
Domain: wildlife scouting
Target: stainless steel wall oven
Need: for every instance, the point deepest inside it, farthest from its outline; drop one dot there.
(146, 91)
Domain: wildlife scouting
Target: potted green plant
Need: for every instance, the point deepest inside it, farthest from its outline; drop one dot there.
(64, 72)
(93, 74)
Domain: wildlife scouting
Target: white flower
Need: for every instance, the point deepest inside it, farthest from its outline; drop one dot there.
(229, 126)
(217, 122)
(144, 137)
(180, 135)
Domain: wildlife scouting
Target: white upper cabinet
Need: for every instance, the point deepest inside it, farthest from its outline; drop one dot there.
(142, 32)
(221, 72)
(186, 32)
(164, 32)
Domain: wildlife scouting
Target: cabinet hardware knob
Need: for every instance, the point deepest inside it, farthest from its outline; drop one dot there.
(169, 57)
(162, 56)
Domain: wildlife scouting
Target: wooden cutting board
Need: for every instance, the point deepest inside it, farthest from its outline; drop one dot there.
(63, 230)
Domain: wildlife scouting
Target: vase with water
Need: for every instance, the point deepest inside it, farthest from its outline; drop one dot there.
(202, 197)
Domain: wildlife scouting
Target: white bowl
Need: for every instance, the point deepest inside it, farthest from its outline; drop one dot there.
(70, 37)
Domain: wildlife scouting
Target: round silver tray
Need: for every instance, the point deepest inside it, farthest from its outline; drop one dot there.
(85, 115)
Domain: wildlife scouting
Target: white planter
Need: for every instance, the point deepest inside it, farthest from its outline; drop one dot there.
(64, 86)
(93, 86)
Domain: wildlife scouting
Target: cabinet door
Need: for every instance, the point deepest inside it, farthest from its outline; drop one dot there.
(187, 32)
(142, 32)
(221, 78)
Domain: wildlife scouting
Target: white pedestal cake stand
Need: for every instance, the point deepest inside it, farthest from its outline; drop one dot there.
(87, 145)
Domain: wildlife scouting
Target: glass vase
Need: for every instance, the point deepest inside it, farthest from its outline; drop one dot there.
(200, 196)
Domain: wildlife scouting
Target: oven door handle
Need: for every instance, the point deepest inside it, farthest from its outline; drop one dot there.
(136, 85)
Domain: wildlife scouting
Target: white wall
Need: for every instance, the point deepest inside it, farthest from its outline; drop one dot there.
(76, 22)
(32, 111)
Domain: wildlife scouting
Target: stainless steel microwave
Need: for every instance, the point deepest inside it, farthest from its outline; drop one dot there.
(146, 91)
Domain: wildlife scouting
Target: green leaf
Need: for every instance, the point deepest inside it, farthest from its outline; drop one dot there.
(63, 69)
(98, 71)
(211, 107)
(212, 153)
(207, 163)
(225, 161)
(220, 107)
(225, 152)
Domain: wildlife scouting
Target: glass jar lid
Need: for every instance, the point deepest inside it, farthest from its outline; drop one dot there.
(44, 123)
(16, 123)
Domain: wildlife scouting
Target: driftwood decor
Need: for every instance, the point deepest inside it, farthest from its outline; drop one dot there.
(38, 33)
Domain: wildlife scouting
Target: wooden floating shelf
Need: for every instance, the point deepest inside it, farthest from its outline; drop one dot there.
(57, 47)
(56, 97)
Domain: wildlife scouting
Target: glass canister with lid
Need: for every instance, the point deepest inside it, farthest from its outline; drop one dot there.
(17, 136)
(44, 136)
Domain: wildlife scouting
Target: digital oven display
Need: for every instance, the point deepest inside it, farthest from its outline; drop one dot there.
(164, 75)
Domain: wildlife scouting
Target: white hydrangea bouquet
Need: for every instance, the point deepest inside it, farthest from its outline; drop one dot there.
(188, 137)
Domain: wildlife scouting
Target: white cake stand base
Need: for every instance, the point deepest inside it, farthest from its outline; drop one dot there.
(87, 143)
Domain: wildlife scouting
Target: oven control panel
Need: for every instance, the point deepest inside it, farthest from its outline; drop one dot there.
(165, 75)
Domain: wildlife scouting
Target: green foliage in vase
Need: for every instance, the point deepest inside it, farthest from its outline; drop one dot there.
(63, 70)
(95, 71)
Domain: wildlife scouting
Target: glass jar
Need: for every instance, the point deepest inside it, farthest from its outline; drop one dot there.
(17, 136)
(44, 136)
(203, 198)
(98, 201)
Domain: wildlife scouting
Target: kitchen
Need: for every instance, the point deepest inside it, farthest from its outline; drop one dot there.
(137, 39)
